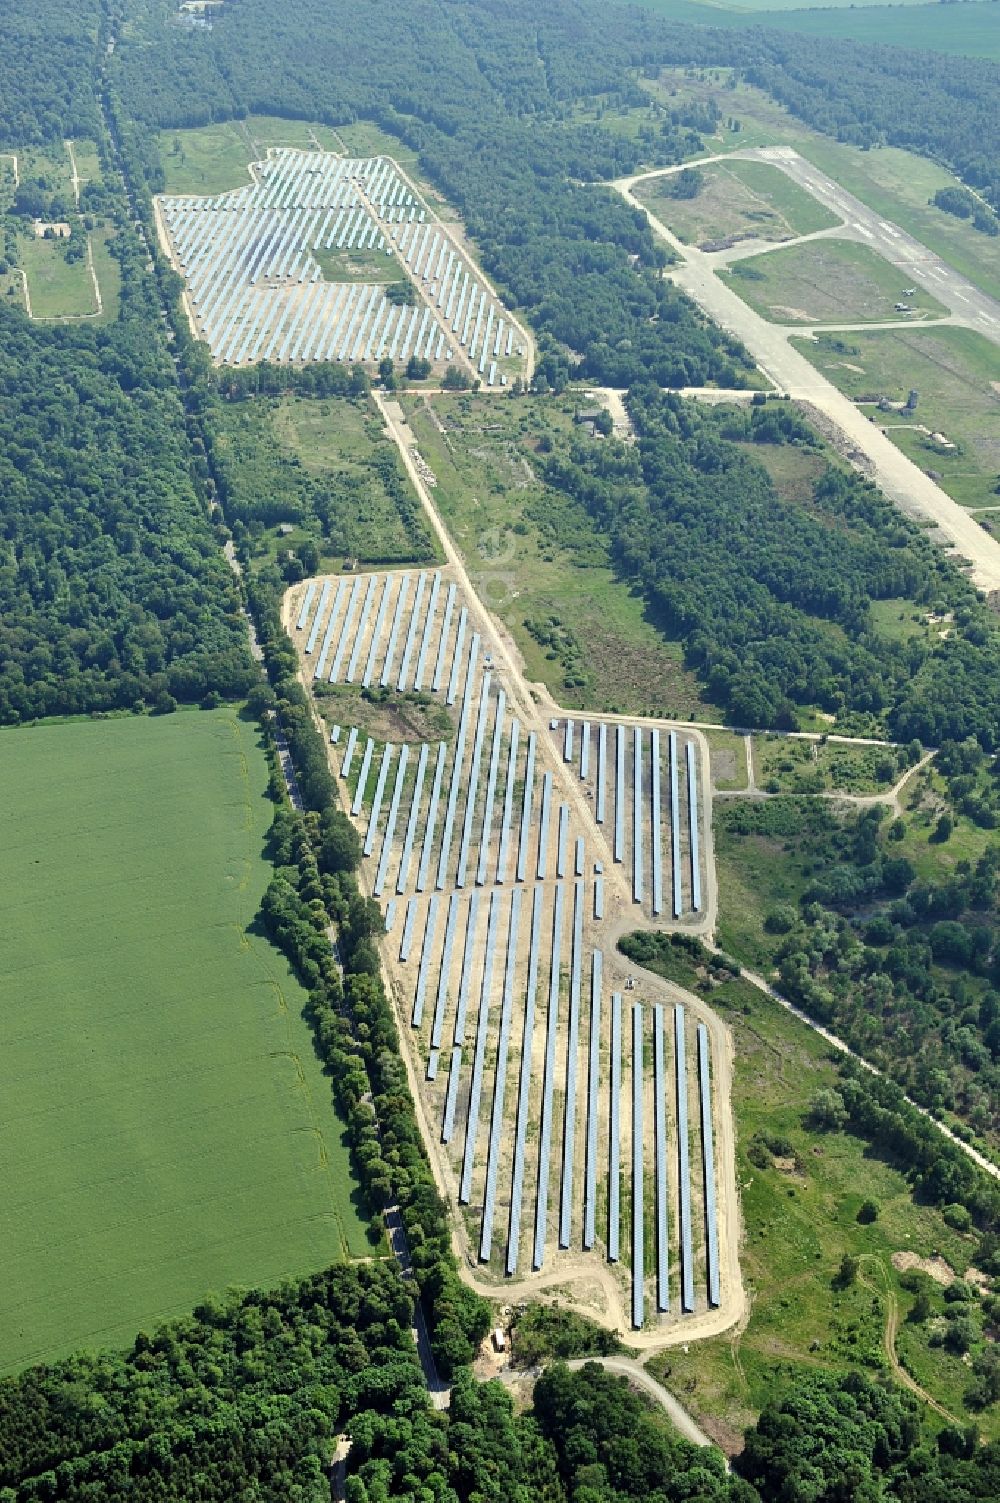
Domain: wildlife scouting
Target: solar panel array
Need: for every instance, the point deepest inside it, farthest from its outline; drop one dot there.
(524, 1057)
(257, 289)
(644, 786)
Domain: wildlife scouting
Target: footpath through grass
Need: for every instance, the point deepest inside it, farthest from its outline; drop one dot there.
(540, 564)
(165, 1127)
(801, 1192)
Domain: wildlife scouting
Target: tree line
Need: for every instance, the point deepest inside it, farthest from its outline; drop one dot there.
(352, 1017)
(244, 1397)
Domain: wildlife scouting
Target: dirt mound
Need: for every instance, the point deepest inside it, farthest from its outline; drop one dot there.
(935, 1268)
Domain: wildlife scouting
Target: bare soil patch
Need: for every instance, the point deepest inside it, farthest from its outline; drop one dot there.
(936, 1268)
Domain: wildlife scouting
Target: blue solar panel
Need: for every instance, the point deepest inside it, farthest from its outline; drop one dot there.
(548, 1086)
(660, 1123)
(684, 1163)
(524, 1085)
(593, 1098)
(614, 1130)
(708, 1169)
(638, 1238)
(500, 1078)
(479, 1057)
(572, 1051)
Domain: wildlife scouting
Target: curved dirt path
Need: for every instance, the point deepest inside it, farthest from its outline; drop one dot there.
(890, 797)
(625, 1367)
(882, 1288)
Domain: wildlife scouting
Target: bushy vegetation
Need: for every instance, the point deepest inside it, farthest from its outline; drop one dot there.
(244, 1397)
(240, 1399)
(902, 962)
(770, 598)
(833, 1439)
(355, 502)
(47, 70)
(873, 1107)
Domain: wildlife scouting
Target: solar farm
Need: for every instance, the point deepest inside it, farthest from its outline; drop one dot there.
(322, 257)
(569, 1109)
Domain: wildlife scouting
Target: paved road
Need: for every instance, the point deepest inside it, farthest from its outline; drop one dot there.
(438, 1389)
(918, 265)
(900, 479)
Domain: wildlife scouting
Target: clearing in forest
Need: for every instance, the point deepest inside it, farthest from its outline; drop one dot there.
(737, 200)
(166, 1129)
(326, 257)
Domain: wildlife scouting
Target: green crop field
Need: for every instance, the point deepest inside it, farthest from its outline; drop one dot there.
(968, 29)
(826, 281)
(955, 372)
(165, 1127)
(738, 199)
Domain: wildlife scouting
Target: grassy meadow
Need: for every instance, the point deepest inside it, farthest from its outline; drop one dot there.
(214, 158)
(581, 630)
(968, 29)
(166, 1127)
(800, 1194)
(957, 375)
(897, 184)
(827, 281)
(740, 200)
(322, 466)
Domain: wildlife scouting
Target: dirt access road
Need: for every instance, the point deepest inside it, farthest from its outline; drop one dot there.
(535, 712)
(901, 480)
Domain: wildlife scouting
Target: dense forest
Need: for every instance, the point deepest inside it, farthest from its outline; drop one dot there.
(771, 598)
(245, 1398)
(446, 62)
(113, 592)
(47, 65)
